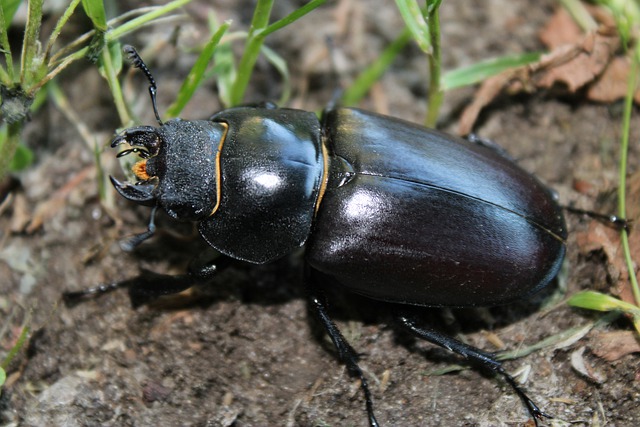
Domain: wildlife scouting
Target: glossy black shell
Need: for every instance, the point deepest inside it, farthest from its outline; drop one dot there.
(391, 210)
(271, 171)
(415, 216)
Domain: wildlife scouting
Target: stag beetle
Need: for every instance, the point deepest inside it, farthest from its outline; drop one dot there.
(390, 210)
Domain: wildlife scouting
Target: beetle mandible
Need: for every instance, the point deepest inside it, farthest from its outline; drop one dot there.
(390, 210)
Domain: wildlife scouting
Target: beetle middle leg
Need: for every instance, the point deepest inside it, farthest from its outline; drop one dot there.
(475, 355)
(346, 353)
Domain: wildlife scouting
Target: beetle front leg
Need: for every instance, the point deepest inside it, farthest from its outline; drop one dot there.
(476, 355)
(346, 353)
(149, 285)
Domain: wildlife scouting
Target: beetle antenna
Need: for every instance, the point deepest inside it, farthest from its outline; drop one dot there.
(137, 61)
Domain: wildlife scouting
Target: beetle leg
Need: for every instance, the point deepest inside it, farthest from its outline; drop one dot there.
(612, 221)
(129, 244)
(346, 353)
(149, 285)
(471, 353)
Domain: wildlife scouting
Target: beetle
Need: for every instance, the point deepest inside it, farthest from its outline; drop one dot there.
(388, 209)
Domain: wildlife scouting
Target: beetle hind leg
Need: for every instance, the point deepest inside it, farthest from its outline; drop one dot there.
(346, 353)
(475, 355)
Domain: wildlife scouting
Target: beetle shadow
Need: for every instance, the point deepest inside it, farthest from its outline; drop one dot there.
(282, 281)
(347, 306)
(177, 247)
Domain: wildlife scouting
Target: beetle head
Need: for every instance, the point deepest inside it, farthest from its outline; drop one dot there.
(178, 169)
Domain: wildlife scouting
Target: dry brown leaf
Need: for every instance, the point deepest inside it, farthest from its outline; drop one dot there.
(612, 84)
(601, 237)
(598, 237)
(612, 346)
(560, 30)
(44, 211)
(594, 53)
(489, 89)
(576, 60)
(582, 365)
(21, 216)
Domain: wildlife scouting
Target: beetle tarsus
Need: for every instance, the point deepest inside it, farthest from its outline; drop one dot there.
(72, 298)
(611, 220)
(476, 355)
(535, 412)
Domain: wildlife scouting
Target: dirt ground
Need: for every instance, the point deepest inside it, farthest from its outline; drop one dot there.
(242, 352)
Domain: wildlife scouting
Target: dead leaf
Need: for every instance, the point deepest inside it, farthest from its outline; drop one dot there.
(489, 90)
(612, 84)
(592, 55)
(576, 60)
(602, 237)
(614, 345)
(560, 30)
(46, 210)
(20, 217)
(580, 364)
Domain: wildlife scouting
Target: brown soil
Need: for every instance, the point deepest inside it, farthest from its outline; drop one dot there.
(243, 352)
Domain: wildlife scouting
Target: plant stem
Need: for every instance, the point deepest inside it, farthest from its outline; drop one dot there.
(628, 105)
(114, 86)
(436, 93)
(8, 149)
(260, 21)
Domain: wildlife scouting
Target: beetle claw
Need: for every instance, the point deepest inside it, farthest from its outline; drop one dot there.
(142, 194)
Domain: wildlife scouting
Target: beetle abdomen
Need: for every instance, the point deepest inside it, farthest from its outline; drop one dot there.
(429, 219)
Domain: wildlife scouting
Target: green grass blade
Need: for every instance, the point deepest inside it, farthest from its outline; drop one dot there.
(436, 92)
(414, 19)
(22, 158)
(22, 339)
(481, 70)
(249, 57)
(281, 65)
(30, 66)
(225, 69)
(95, 11)
(560, 340)
(58, 28)
(59, 61)
(632, 84)
(292, 17)
(260, 28)
(8, 9)
(601, 302)
(195, 76)
(372, 74)
(110, 65)
(136, 23)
